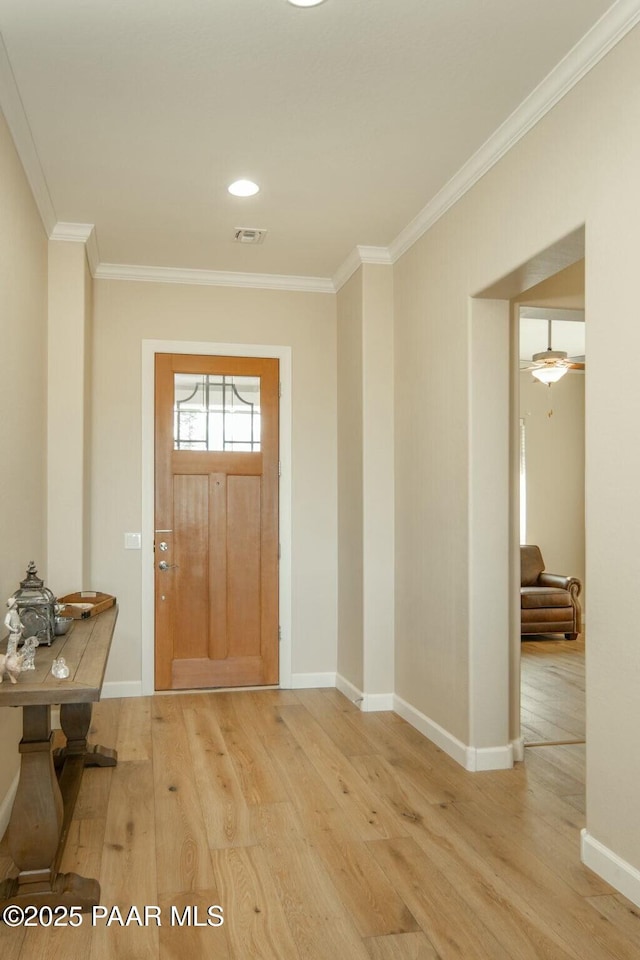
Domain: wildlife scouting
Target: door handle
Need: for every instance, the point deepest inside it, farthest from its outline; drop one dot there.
(163, 565)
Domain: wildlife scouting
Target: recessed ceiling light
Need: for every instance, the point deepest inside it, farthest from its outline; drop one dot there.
(243, 188)
(306, 3)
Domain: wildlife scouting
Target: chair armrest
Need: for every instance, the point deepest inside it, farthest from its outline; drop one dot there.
(572, 584)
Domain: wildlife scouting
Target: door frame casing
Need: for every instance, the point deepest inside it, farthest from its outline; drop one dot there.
(282, 353)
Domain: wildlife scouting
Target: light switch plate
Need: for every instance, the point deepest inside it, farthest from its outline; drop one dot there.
(132, 541)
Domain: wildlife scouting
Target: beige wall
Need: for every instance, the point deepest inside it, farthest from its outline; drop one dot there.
(538, 193)
(488, 593)
(127, 313)
(68, 390)
(350, 508)
(23, 319)
(365, 482)
(431, 520)
(378, 479)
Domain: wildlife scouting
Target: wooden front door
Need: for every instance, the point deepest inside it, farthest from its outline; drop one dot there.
(216, 521)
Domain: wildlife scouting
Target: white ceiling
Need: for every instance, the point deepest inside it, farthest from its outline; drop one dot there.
(567, 332)
(351, 115)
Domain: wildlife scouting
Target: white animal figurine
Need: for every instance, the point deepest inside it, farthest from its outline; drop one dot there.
(11, 664)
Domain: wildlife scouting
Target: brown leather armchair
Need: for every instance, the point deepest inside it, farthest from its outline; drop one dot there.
(549, 603)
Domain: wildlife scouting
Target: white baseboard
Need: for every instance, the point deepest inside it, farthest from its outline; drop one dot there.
(490, 758)
(372, 702)
(349, 690)
(306, 681)
(612, 868)
(367, 702)
(121, 688)
(7, 804)
(432, 731)
(473, 759)
(518, 749)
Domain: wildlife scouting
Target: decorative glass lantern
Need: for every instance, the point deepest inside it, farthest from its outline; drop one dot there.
(36, 607)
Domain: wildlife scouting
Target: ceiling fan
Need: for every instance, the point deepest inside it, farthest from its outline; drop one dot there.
(550, 365)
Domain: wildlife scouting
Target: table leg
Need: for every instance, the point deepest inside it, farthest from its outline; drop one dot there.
(36, 820)
(35, 827)
(75, 720)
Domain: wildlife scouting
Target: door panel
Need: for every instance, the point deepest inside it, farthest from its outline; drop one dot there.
(191, 549)
(243, 565)
(216, 553)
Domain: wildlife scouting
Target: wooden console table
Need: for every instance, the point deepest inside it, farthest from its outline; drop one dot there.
(43, 806)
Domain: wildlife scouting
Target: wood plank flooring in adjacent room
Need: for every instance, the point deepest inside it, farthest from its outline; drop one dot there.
(326, 834)
(552, 690)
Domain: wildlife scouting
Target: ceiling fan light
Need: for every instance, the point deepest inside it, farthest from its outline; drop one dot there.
(550, 373)
(550, 356)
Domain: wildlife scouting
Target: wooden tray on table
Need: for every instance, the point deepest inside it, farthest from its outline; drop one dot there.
(85, 603)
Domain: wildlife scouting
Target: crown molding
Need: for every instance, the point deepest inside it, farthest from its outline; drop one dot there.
(93, 254)
(79, 233)
(16, 118)
(603, 36)
(73, 232)
(374, 255)
(358, 256)
(346, 270)
(256, 281)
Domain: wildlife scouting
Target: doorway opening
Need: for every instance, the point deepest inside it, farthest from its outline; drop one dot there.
(494, 521)
(552, 512)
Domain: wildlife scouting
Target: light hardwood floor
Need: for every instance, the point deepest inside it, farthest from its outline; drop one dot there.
(552, 690)
(326, 834)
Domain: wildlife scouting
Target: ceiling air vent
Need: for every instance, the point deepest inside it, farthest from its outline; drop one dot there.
(249, 235)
